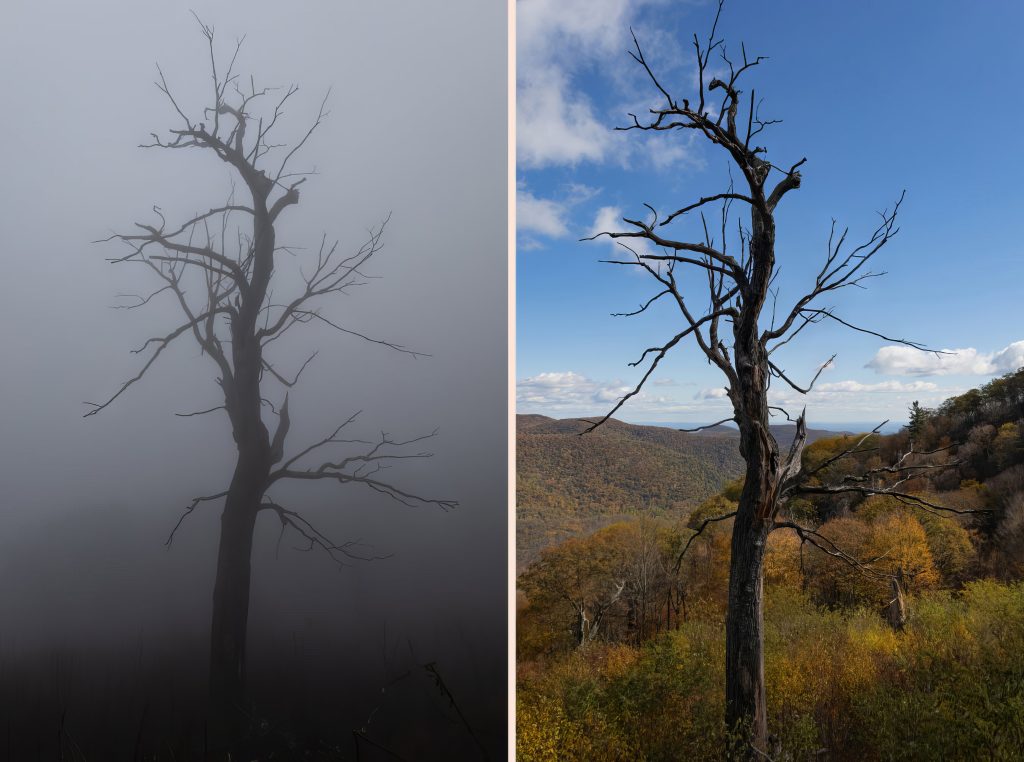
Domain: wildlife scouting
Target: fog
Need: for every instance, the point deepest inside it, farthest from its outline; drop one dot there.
(417, 129)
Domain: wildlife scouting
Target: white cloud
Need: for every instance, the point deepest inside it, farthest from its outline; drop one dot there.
(548, 216)
(568, 393)
(1010, 358)
(567, 390)
(716, 393)
(857, 400)
(555, 123)
(540, 215)
(609, 220)
(594, 25)
(856, 387)
(905, 361)
(556, 40)
(554, 127)
(835, 391)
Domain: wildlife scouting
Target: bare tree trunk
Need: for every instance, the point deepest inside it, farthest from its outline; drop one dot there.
(223, 293)
(579, 632)
(896, 611)
(238, 521)
(738, 284)
(745, 701)
(231, 597)
(745, 696)
(745, 711)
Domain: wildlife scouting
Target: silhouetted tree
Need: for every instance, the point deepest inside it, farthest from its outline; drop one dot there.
(735, 336)
(219, 267)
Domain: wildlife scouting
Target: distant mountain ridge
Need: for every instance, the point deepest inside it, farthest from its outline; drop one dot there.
(568, 484)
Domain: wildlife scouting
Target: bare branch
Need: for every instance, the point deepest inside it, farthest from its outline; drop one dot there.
(188, 511)
(730, 419)
(704, 525)
(906, 497)
(162, 344)
(404, 497)
(780, 374)
(826, 546)
(661, 352)
(707, 200)
(645, 305)
(317, 539)
(273, 371)
(316, 123)
(201, 412)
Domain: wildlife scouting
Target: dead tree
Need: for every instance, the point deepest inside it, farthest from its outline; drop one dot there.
(896, 610)
(739, 331)
(218, 268)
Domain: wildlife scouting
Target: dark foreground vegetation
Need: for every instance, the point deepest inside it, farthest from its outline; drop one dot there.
(621, 639)
(308, 703)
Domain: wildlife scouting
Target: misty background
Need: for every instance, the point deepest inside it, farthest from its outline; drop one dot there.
(417, 129)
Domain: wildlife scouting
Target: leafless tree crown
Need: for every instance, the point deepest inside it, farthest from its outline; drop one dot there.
(218, 267)
(738, 280)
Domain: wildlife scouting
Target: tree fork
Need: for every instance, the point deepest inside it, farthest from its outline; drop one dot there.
(222, 292)
(737, 289)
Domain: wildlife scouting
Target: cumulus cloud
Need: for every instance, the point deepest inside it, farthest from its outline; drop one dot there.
(556, 122)
(904, 361)
(858, 400)
(609, 220)
(540, 215)
(717, 393)
(548, 217)
(554, 127)
(566, 389)
(570, 393)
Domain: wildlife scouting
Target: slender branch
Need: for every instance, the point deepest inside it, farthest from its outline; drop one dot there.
(661, 352)
(731, 418)
(317, 539)
(908, 498)
(704, 525)
(201, 412)
(707, 200)
(188, 512)
(780, 374)
(825, 545)
(162, 344)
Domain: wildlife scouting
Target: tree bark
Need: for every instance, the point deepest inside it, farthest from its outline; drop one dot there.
(231, 596)
(238, 521)
(745, 696)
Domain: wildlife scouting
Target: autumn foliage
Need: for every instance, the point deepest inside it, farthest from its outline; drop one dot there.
(844, 682)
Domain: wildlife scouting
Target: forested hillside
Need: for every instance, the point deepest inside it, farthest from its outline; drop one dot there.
(569, 484)
(894, 623)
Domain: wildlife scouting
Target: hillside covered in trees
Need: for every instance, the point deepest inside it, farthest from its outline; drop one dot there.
(568, 484)
(894, 625)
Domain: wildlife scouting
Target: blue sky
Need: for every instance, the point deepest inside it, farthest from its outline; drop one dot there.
(878, 96)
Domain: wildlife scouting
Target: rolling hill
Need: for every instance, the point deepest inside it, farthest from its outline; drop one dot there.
(567, 484)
